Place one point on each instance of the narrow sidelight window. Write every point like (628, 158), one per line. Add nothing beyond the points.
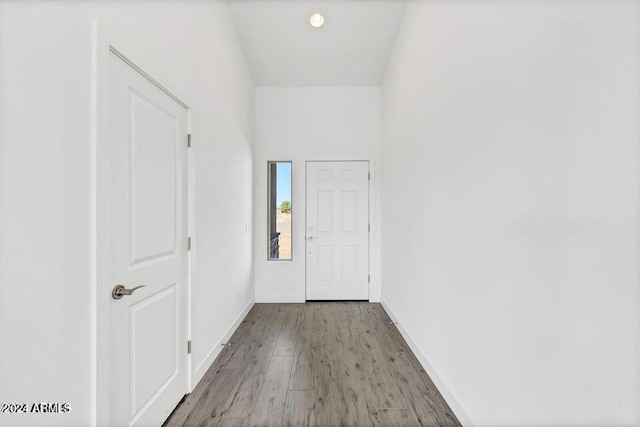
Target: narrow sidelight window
(280, 211)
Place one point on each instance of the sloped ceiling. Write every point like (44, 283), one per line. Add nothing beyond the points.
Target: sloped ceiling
(351, 49)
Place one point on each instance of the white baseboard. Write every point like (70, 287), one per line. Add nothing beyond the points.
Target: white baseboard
(206, 363)
(279, 299)
(448, 396)
(284, 299)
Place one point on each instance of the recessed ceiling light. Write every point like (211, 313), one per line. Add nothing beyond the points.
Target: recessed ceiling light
(316, 20)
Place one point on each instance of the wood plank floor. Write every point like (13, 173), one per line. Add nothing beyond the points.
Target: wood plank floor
(315, 364)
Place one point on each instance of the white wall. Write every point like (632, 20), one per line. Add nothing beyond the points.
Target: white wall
(301, 124)
(45, 275)
(510, 211)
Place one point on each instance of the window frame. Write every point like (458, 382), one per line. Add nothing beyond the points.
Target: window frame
(269, 205)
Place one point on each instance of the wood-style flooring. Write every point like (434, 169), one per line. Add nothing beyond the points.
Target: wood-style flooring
(315, 364)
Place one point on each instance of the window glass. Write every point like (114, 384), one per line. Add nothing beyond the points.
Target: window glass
(280, 211)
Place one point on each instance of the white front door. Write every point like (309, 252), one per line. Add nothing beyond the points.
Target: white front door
(148, 247)
(337, 230)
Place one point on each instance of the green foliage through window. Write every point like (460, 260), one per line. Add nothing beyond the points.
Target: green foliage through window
(285, 206)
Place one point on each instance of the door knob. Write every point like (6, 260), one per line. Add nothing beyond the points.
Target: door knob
(311, 238)
(119, 291)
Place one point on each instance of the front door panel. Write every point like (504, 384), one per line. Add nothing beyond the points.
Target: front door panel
(337, 230)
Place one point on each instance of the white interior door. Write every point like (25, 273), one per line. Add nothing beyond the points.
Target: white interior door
(148, 244)
(337, 230)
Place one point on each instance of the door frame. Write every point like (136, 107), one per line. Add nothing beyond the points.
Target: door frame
(101, 51)
(370, 182)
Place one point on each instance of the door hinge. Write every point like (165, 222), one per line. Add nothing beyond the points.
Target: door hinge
(369, 176)
(369, 278)
(189, 140)
(189, 244)
(369, 227)
(189, 347)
